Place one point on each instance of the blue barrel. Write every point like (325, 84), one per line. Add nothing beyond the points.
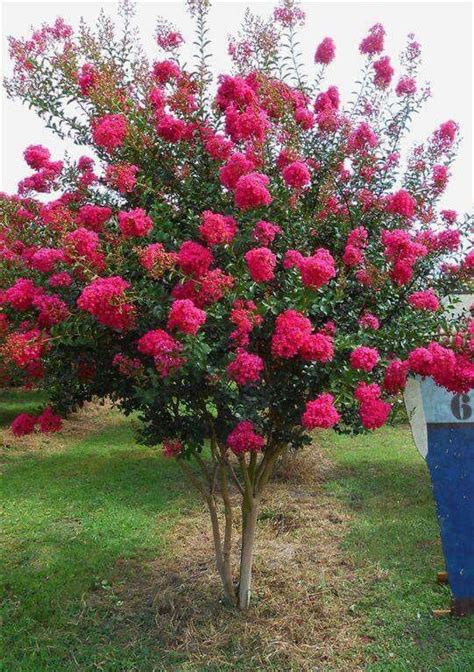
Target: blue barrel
(449, 422)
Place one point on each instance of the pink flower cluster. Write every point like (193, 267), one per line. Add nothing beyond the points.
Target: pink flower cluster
(369, 321)
(122, 176)
(425, 300)
(373, 411)
(383, 72)
(47, 422)
(244, 439)
(403, 251)
(164, 349)
(156, 259)
(217, 229)
(251, 191)
(320, 413)
(134, 223)
(194, 259)
(293, 336)
(318, 269)
(325, 51)
(22, 294)
(395, 376)
(364, 358)
(296, 175)
(245, 368)
(110, 131)
(261, 263)
(93, 217)
(265, 232)
(401, 203)
(356, 242)
(245, 318)
(104, 298)
(185, 317)
(454, 371)
(373, 43)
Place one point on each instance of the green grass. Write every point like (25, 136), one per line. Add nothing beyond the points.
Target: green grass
(386, 486)
(69, 517)
(79, 519)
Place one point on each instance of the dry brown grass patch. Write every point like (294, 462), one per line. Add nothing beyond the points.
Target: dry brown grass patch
(304, 586)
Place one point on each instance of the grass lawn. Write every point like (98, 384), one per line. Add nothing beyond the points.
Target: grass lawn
(95, 530)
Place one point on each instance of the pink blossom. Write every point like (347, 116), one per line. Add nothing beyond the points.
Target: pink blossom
(218, 147)
(110, 131)
(36, 156)
(243, 439)
(318, 269)
(364, 358)
(401, 203)
(21, 295)
(23, 424)
(425, 300)
(325, 51)
(170, 128)
(245, 368)
(194, 259)
(134, 223)
(122, 176)
(420, 361)
(406, 86)
(361, 138)
(237, 165)
(46, 258)
(93, 216)
(217, 229)
(320, 413)
(87, 78)
(261, 263)
(265, 232)
(62, 279)
(156, 259)
(373, 43)
(104, 298)
(352, 256)
(251, 191)
(383, 72)
(165, 71)
(185, 317)
(374, 413)
(296, 175)
(49, 422)
(369, 321)
(305, 118)
(395, 376)
(317, 348)
(291, 333)
(367, 391)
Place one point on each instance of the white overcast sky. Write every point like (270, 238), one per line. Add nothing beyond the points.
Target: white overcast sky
(443, 28)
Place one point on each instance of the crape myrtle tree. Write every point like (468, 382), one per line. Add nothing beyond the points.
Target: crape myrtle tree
(239, 260)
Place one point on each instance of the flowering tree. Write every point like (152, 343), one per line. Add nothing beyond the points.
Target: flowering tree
(238, 267)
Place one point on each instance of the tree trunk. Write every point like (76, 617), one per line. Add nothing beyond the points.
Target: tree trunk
(222, 561)
(249, 524)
